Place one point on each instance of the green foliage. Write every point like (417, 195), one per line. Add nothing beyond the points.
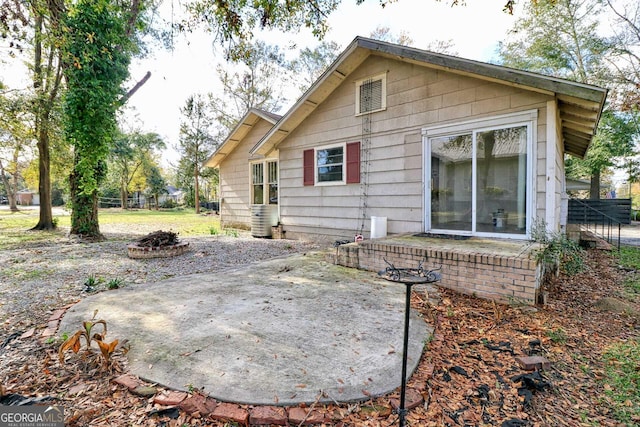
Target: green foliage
(234, 22)
(98, 46)
(558, 250)
(231, 232)
(133, 165)
(97, 57)
(156, 184)
(563, 39)
(311, 63)
(196, 142)
(622, 381)
(91, 282)
(57, 196)
(257, 80)
(632, 285)
(615, 140)
(629, 257)
(558, 38)
(557, 336)
(115, 283)
(168, 204)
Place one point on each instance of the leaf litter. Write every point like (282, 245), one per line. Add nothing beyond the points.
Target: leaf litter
(468, 374)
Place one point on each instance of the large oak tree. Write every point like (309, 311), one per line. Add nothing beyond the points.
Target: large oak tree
(562, 38)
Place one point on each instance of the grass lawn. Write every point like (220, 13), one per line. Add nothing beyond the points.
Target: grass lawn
(182, 221)
(14, 226)
(622, 360)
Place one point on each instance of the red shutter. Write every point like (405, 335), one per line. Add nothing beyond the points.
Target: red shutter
(308, 167)
(353, 163)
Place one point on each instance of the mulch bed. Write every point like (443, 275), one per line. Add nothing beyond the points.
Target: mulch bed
(469, 375)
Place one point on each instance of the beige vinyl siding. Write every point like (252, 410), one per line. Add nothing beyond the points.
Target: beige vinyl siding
(235, 175)
(416, 97)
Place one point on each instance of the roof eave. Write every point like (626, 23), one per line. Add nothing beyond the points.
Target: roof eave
(239, 132)
(591, 98)
(317, 92)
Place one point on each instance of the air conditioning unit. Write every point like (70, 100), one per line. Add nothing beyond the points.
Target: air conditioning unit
(263, 217)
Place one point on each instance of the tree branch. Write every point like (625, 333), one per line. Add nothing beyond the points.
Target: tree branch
(134, 89)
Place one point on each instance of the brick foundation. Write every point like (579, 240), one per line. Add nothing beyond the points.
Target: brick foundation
(507, 277)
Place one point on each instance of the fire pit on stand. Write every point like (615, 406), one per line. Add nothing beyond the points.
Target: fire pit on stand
(410, 277)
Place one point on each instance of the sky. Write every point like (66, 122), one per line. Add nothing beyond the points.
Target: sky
(189, 67)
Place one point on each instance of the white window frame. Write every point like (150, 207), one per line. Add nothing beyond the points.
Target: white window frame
(383, 100)
(527, 118)
(343, 181)
(268, 182)
(265, 180)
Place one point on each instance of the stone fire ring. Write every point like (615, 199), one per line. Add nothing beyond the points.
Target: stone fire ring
(142, 252)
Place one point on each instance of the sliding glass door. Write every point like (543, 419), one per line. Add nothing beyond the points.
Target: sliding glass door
(478, 179)
(451, 183)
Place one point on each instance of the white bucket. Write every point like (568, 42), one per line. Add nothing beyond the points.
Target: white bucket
(378, 226)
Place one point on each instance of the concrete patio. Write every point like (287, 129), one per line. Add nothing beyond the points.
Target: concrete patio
(281, 332)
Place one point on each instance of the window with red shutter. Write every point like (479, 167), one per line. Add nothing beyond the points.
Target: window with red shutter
(337, 164)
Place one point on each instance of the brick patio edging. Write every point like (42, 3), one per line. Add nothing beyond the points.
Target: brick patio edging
(199, 405)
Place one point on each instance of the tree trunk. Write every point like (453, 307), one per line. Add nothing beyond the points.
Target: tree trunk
(46, 86)
(197, 188)
(45, 221)
(84, 212)
(594, 189)
(123, 197)
(14, 180)
(124, 187)
(11, 194)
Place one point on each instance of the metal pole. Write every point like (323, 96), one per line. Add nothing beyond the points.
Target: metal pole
(402, 412)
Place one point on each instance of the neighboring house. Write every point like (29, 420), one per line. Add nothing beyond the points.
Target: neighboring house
(172, 194)
(27, 198)
(433, 143)
(436, 145)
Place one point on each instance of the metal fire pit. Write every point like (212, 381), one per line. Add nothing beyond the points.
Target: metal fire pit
(409, 277)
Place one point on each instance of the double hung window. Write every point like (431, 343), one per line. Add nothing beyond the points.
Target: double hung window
(332, 165)
(264, 183)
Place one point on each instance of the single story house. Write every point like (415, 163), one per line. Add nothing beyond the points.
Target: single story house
(27, 197)
(433, 143)
(172, 195)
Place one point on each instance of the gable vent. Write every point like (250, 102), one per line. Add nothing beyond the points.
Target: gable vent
(371, 96)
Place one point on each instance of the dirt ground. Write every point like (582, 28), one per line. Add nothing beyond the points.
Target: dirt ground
(469, 374)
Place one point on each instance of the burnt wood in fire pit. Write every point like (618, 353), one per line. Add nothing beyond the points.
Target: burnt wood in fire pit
(159, 244)
(159, 238)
